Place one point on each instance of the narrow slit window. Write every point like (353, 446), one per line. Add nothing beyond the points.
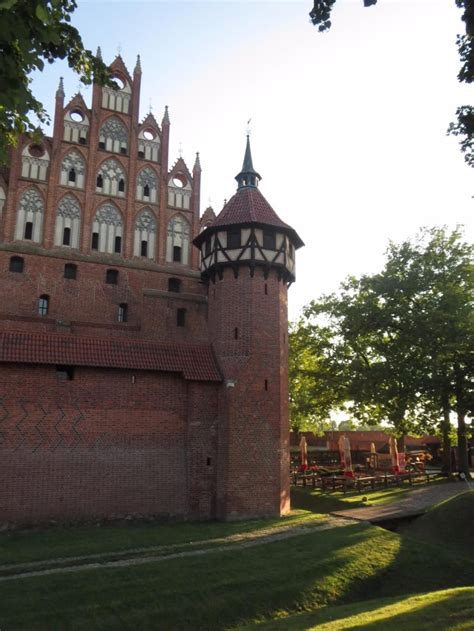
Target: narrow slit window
(146, 191)
(100, 181)
(118, 245)
(266, 384)
(177, 254)
(266, 289)
(236, 333)
(121, 186)
(181, 317)
(72, 175)
(95, 241)
(144, 248)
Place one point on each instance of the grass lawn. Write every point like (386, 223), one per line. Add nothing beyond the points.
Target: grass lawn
(451, 609)
(224, 589)
(357, 576)
(315, 500)
(62, 542)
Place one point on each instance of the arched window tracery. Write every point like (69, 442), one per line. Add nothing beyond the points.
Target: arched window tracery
(113, 136)
(107, 229)
(111, 179)
(147, 186)
(177, 240)
(73, 169)
(68, 222)
(29, 219)
(145, 234)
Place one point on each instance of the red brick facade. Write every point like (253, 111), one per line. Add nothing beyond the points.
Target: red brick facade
(129, 383)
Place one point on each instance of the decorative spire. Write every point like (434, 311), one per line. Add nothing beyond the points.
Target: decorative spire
(138, 67)
(166, 118)
(99, 53)
(60, 90)
(197, 163)
(248, 176)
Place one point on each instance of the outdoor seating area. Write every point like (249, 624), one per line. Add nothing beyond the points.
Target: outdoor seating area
(344, 477)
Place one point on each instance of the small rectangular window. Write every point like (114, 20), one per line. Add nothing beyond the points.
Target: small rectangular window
(29, 230)
(141, 154)
(176, 254)
(82, 140)
(181, 317)
(70, 271)
(101, 144)
(65, 373)
(174, 284)
(16, 264)
(144, 248)
(123, 150)
(269, 240)
(118, 245)
(123, 312)
(111, 277)
(43, 305)
(233, 238)
(95, 241)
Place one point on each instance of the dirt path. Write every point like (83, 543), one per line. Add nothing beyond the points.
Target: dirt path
(156, 554)
(416, 502)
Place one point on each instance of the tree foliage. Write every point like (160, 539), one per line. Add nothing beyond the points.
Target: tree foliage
(33, 32)
(395, 346)
(320, 16)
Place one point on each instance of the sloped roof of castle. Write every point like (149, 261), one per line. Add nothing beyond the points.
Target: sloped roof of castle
(195, 362)
(249, 206)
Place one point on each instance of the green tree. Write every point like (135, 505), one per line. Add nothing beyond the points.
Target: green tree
(320, 16)
(401, 341)
(33, 32)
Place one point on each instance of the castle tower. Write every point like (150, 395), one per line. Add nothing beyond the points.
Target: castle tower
(248, 261)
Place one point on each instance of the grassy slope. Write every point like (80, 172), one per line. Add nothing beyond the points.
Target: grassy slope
(450, 524)
(445, 610)
(224, 589)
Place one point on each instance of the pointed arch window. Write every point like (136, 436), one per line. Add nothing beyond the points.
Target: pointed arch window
(147, 185)
(35, 162)
(145, 234)
(107, 229)
(68, 222)
(113, 136)
(111, 178)
(73, 169)
(29, 219)
(177, 241)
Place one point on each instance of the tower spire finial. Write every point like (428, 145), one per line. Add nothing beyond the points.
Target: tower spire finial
(60, 90)
(99, 53)
(166, 118)
(138, 66)
(248, 176)
(197, 163)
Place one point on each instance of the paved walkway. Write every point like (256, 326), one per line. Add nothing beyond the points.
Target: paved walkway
(156, 554)
(416, 502)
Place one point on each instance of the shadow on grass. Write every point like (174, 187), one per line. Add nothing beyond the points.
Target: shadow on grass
(224, 589)
(442, 610)
(317, 502)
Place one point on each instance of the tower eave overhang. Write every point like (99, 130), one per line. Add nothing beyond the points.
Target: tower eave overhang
(288, 230)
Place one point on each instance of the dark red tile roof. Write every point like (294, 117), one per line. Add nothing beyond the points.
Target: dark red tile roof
(249, 206)
(195, 362)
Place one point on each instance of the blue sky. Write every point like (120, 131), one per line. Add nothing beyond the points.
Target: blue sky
(348, 127)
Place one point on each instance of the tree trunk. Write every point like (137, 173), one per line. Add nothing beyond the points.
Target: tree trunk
(463, 458)
(446, 428)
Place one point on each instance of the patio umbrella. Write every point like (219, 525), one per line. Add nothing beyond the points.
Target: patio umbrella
(345, 453)
(392, 443)
(373, 456)
(303, 453)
